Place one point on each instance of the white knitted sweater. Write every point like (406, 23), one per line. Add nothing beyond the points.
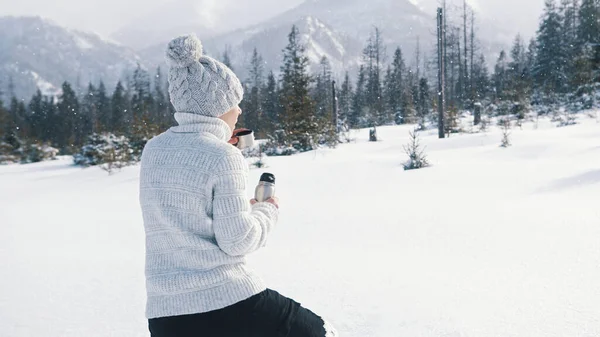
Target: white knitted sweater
(198, 220)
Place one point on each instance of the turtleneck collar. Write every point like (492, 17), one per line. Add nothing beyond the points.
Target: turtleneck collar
(194, 123)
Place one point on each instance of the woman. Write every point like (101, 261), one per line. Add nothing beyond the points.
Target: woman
(199, 225)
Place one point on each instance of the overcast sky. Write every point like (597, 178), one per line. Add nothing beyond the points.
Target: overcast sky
(107, 16)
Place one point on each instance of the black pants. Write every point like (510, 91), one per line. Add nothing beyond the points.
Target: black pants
(267, 314)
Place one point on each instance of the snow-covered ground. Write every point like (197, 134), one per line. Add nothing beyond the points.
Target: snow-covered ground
(486, 242)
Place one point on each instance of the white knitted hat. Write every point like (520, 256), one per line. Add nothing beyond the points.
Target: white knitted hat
(199, 84)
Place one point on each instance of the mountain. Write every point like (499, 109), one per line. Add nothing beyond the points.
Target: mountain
(337, 29)
(36, 52)
(319, 39)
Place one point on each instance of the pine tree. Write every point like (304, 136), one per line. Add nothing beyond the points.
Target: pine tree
(299, 120)
(571, 49)
(374, 101)
(49, 128)
(163, 117)
(481, 81)
(142, 105)
(517, 89)
(4, 122)
(588, 39)
(322, 90)
(68, 121)
(37, 117)
(253, 100)
(424, 102)
(357, 117)
(501, 78)
(271, 106)
(396, 99)
(120, 114)
(345, 101)
(588, 31)
(88, 116)
(103, 109)
(549, 72)
(410, 94)
(19, 118)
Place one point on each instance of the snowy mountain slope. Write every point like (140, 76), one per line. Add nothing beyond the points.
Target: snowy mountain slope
(487, 242)
(333, 28)
(38, 52)
(318, 38)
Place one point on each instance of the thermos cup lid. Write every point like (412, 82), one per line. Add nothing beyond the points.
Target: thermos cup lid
(268, 177)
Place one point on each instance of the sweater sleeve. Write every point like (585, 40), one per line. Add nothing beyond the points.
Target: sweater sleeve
(239, 228)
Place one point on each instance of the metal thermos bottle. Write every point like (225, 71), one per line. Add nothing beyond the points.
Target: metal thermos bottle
(265, 188)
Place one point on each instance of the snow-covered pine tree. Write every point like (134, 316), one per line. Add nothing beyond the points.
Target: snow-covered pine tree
(67, 119)
(298, 117)
(517, 90)
(271, 108)
(88, 117)
(588, 29)
(163, 116)
(373, 55)
(345, 101)
(424, 103)
(18, 113)
(253, 97)
(481, 81)
(571, 49)
(37, 117)
(395, 85)
(322, 89)
(416, 153)
(103, 109)
(323, 98)
(120, 119)
(550, 77)
(500, 79)
(142, 103)
(5, 121)
(49, 108)
(357, 116)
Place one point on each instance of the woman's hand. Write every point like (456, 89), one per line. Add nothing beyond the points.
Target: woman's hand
(234, 138)
(274, 201)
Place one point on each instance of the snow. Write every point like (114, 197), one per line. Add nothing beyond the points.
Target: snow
(487, 242)
(45, 87)
(81, 42)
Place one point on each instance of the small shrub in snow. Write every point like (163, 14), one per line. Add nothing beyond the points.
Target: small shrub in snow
(37, 152)
(7, 154)
(108, 151)
(260, 162)
(11, 148)
(416, 155)
(14, 150)
(566, 118)
(505, 125)
(373, 134)
(484, 123)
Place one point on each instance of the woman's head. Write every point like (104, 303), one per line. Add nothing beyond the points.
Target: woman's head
(199, 84)
(231, 117)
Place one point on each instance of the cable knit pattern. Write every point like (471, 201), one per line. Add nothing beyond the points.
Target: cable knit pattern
(198, 83)
(198, 221)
